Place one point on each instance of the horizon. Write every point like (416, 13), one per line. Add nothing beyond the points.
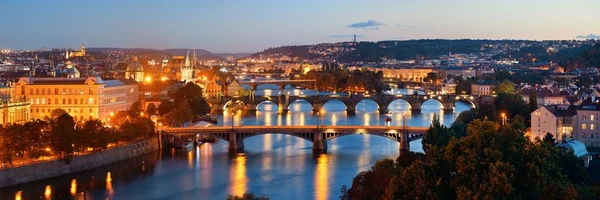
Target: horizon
(249, 27)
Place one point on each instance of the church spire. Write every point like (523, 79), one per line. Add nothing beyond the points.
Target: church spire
(194, 61)
(67, 55)
(187, 60)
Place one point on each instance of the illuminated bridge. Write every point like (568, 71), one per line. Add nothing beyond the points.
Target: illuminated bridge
(281, 83)
(219, 104)
(317, 135)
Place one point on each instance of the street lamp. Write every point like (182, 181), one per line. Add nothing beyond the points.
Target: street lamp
(318, 118)
(503, 119)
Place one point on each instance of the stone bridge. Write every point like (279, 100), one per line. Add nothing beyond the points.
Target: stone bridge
(317, 135)
(317, 102)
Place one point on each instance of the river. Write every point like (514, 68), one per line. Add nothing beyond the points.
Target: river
(274, 165)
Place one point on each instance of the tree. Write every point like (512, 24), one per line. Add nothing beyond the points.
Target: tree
(136, 109)
(37, 138)
(533, 101)
(506, 87)
(179, 116)
(54, 114)
(549, 139)
(63, 135)
(490, 162)
(437, 135)
(372, 184)
(151, 109)
(165, 107)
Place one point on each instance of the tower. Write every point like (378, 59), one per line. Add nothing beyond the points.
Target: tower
(187, 70)
(82, 49)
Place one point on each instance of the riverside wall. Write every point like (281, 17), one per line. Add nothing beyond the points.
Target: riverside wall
(44, 170)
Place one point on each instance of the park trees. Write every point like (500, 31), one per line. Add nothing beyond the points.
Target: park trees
(490, 162)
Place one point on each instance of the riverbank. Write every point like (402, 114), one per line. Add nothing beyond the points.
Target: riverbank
(44, 170)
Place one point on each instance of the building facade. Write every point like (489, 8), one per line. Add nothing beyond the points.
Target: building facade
(482, 88)
(234, 89)
(586, 122)
(135, 70)
(214, 88)
(406, 74)
(14, 112)
(556, 120)
(187, 70)
(83, 98)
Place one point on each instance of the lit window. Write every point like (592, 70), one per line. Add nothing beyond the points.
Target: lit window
(591, 127)
(591, 117)
(583, 126)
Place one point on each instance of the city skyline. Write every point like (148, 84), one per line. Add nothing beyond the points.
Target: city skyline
(236, 27)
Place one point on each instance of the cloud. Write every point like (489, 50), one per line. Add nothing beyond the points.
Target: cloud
(404, 26)
(346, 36)
(590, 36)
(368, 25)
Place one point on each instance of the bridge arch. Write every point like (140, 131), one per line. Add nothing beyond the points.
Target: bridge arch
(303, 135)
(365, 103)
(467, 101)
(232, 102)
(330, 105)
(399, 104)
(300, 105)
(434, 99)
(267, 105)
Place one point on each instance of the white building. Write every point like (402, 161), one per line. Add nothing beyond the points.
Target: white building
(555, 119)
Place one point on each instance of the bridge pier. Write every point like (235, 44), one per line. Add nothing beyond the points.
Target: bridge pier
(415, 110)
(450, 109)
(235, 145)
(382, 110)
(319, 144)
(404, 144)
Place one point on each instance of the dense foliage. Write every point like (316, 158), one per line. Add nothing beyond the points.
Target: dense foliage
(589, 58)
(62, 136)
(490, 162)
(186, 105)
(345, 80)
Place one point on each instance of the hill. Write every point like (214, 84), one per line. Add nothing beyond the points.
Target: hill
(200, 53)
(588, 58)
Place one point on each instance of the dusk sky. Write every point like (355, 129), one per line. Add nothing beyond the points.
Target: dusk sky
(252, 25)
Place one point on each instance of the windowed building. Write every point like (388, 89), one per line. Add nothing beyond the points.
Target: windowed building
(586, 122)
(555, 119)
(83, 98)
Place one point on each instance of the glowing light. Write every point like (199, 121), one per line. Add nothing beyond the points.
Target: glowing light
(18, 195)
(238, 173)
(190, 158)
(48, 192)
(321, 177)
(148, 79)
(73, 187)
(109, 187)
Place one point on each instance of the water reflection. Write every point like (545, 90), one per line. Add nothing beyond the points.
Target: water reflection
(109, 187)
(18, 195)
(73, 187)
(322, 178)
(238, 173)
(48, 192)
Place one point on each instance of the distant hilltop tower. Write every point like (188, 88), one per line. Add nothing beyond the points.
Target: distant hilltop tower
(354, 40)
(187, 70)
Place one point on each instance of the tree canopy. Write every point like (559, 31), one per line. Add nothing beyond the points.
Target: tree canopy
(490, 162)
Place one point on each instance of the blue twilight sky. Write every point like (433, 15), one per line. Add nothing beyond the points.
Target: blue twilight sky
(253, 25)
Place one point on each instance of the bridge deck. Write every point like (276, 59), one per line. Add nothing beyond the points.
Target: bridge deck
(279, 129)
